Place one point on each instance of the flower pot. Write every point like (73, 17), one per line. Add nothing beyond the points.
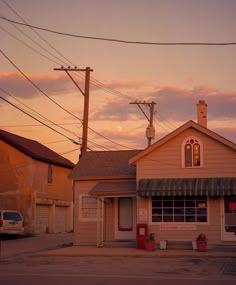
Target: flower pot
(150, 245)
(201, 245)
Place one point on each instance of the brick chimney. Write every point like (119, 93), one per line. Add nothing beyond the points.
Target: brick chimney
(202, 113)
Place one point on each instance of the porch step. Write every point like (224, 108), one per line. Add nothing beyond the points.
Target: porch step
(120, 243)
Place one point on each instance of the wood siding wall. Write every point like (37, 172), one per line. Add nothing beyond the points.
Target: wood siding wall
(85, 232)
(166, 161)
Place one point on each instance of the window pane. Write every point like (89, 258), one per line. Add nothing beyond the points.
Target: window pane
(167, 219)
(188, 155)
(190, 211)
(157, 211)
(167, 203)
(202, 211)
(89, 202)
(178, 203)
(168, 211)
(89, 208)
(179, 219)
(157, 219)
(157, 203)
(179, 211)
(190, 219)
(190, 203)
(196, 154)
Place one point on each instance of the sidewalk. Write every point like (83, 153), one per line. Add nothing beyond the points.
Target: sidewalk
(62, 245)
(133, 252)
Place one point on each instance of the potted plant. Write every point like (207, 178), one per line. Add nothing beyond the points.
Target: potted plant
(201, 242)
(149, 242)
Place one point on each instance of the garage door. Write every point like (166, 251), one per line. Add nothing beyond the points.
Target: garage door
(60, 219)
(41, 219)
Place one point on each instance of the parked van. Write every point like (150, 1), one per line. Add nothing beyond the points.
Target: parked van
(11, 222)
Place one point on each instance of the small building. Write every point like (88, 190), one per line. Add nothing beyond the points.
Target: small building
(34, 180)
(180, 186)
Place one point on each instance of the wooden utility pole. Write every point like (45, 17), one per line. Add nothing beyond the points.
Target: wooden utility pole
(150, 131)
(85, 93)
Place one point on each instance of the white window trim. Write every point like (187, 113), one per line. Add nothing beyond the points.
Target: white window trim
(183, 152)
(81, 218)
(178, 223)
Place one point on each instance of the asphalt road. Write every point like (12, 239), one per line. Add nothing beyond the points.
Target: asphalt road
(19, 266)
(25, 269)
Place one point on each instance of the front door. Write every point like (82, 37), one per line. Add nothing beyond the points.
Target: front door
(229, 218)
(125, 221)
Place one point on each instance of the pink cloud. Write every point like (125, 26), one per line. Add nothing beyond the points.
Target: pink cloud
(17, 85)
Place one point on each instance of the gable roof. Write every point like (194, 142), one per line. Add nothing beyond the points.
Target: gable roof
(189, 124)
(104, 165)
(34, 149)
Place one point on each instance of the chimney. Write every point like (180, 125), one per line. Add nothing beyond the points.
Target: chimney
(202, 113)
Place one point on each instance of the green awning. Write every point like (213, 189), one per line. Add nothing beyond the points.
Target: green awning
(218, 186)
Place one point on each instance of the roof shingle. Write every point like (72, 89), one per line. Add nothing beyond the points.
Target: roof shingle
(102, 164)
(34, 149)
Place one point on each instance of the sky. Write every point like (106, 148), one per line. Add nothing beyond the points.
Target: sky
(40, 103)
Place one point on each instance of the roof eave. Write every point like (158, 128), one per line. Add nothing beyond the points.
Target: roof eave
(118, 177)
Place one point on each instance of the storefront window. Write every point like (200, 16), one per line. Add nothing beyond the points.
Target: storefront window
(174, 209)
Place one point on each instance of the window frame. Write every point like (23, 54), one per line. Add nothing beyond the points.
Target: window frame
(50, 174)
(197, 140)
(185, 198)
(81, 215)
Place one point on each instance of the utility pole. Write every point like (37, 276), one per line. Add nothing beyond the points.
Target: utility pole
(85, 93)
(150, 131)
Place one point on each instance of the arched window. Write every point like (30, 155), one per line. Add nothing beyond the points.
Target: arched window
(192, 153)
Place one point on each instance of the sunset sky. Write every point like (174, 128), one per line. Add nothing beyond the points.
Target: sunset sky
(175, 77)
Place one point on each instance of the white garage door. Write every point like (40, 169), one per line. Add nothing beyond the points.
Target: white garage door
(41, 219)
(60, 219)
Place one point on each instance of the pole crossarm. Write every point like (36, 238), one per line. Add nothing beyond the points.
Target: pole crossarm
(150, 105)
(72, 79)
(150, 118)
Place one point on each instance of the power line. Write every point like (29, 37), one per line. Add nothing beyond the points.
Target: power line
(51, 98)
(38, 52)
(35, 31)
(122, 41)
(23, 126)
(37, 86)
(93, 80)
(39, 115)
(38, 120)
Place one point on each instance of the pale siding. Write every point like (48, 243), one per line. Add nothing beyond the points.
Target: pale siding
(85, 232)
(166, 161)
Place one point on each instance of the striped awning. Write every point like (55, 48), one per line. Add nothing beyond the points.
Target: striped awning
(219, 186)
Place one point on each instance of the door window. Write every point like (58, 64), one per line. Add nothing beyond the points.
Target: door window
(125, 214)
